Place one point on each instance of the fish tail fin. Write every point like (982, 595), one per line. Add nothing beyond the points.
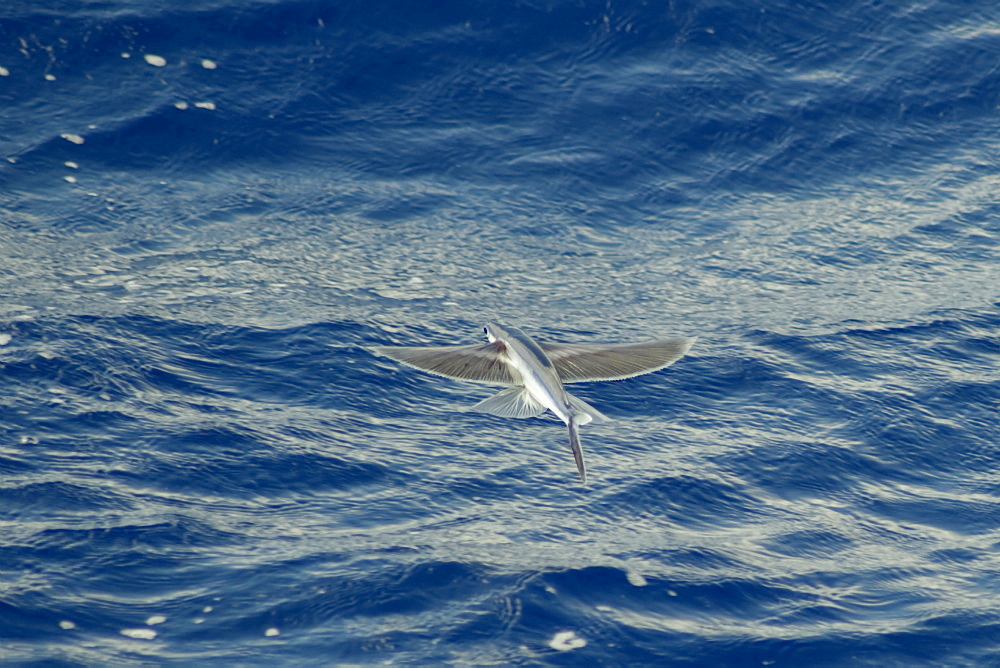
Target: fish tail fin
(574, 443)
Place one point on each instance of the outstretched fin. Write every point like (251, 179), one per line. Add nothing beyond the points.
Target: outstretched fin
(515, 402)
(477, 363)
(582, 362)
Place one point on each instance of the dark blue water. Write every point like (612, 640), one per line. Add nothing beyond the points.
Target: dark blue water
(209, 210)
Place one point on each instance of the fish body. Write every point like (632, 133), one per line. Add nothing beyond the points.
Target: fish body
(536, 373)
(541, 382)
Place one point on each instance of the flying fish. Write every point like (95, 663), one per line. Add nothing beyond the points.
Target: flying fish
(535, 373)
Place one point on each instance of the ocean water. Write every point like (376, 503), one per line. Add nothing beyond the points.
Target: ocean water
(209, 211)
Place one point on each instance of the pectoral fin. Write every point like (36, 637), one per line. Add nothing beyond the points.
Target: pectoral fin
(477, 364)
(580, 363)
(513, 402)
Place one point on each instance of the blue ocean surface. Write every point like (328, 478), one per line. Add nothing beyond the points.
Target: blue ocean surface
(210, 211)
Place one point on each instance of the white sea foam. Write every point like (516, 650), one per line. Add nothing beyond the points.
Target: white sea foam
(567, 640)
(139, 634)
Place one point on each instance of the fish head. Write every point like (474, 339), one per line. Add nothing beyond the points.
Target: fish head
(494, 331)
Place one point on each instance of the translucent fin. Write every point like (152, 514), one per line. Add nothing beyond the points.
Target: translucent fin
(574, 443)
(586, 412)
(579, 363)
(477, 363)
(513, 402)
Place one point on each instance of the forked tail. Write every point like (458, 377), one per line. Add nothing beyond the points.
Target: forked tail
(574, 442)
